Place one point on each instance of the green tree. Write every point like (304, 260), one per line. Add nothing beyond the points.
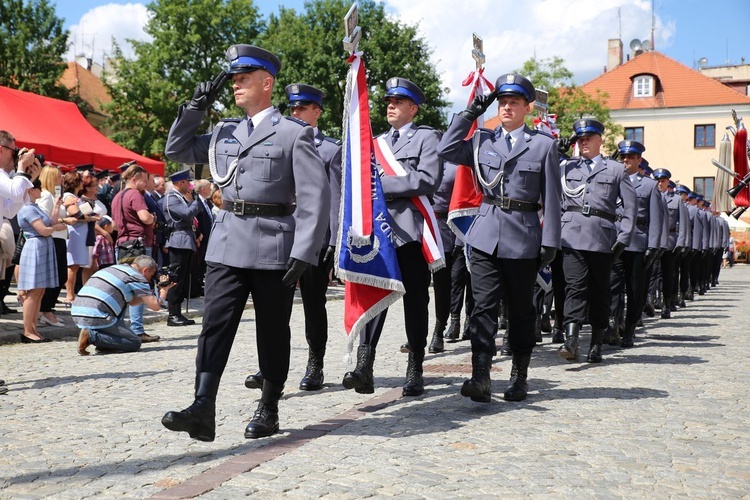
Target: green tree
(32, 47)
(569, 101)
(190, 39)
(310, 47)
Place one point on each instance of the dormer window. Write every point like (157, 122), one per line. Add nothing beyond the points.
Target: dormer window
(643, 86)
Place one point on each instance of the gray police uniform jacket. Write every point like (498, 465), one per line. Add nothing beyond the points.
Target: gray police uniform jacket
(685, 233)
(725, 232)
(603, 189)
(441, 204)
(650, 210)
(416, 151)
(180, 215)
(715, 231)
(528, 173)
(706, 235)
(329, 150)
(664, 241)
(697, 223)
(277, 164)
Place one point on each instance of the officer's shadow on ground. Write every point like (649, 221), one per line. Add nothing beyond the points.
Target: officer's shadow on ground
(22, 385)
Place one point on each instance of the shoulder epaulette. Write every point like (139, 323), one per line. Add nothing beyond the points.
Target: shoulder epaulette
(488, 130)
(545, 133)
(234, 120)
(297, 120)
(425, 127)
(331, 139)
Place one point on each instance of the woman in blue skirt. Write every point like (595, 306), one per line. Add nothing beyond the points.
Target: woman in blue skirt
(38, 267)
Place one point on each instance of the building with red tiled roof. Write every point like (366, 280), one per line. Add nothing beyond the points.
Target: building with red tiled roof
(90, 89)
(679, 114)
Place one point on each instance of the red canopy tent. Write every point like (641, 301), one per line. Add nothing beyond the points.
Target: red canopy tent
(58, 130)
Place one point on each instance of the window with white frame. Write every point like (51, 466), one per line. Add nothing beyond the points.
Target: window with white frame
(643, 86)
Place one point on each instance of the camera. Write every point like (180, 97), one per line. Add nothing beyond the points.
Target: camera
(165, 277)
(40, 158)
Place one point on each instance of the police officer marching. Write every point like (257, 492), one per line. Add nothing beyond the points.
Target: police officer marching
(593, 186)
(414, 148)
(261, 242)
(180, 208)
(518, 170)
(306, 104)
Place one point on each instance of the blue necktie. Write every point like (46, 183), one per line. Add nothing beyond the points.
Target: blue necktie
(510, 143)
(394, 137)
(250, 127)
(588, 164)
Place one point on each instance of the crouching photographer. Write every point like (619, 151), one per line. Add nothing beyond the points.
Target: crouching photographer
(99, 308)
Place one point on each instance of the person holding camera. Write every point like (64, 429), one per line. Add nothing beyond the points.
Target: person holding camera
(180, 208)
(99, 308)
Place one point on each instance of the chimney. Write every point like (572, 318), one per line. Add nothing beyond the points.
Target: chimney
(614, 53)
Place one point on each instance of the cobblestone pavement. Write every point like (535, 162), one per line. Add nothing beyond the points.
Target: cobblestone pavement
(668, 418)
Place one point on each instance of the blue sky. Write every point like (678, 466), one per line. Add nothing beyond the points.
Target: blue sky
(514, 31)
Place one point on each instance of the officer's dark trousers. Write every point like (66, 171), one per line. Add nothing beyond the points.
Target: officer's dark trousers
(441, 285)
(227, 290)
(415, 276)
(181, 263)
(636, 277)
(460, 284)
(313, 285)
(717, 265)
(667, 275)
(587, 277)
(695, 269)
(493, 280)
(558, 288)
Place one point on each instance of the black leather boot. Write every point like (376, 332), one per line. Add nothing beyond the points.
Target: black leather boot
(627, 336)
(569, 350)
(649, 307)
(266, 418)
(505, 347)
(538, 329)
(199, 419)
(436, 345)
(682, 298)
(454, 329)
(612, 333)
(254, 381)
(595, 349)
(658, 300)
(466, 335)
(546, 325)
(479, 387)
(558, 337)
(518, 387)
(361, 379)
(666, 311)
(414, 385)
(313, 379)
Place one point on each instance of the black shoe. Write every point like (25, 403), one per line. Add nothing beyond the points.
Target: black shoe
(479, 387)
(199, 419)
(569, 350)
(414, 385)
(405, 349)
(505, 347)
(612, 332)
(454, 328)
(639, 323)
(436, 344)
(649, 310)
(254, 381)
(538, 330)
(546, 325)
(666, 313)
(265, 421)
(595, 354)
(361, 378)
(27, 340)
(313, 379)
(558, 337)
(518, 388)
(682, 303)
(179, 320)
(627, 336)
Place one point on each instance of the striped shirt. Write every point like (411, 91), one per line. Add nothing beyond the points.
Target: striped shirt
(102, 300)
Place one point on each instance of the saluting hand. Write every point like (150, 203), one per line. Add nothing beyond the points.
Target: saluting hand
(478, 106)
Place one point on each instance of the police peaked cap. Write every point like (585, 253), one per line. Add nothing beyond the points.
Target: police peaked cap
(300, 94)
(182, 175)
(513, 84)
(246, 58)
(672, 184)
(644, 166)
(401, 87)
(662, 173)
(631, 147)
(587, 126)
(682, 189)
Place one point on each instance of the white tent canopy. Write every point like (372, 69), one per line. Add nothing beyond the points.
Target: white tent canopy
(735, 224)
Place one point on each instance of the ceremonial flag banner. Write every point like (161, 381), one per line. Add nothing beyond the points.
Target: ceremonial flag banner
(466, 196)
(366, 258)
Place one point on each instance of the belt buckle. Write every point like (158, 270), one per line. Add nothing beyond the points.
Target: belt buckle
(239, 207)
(586, 209)
(505, 203)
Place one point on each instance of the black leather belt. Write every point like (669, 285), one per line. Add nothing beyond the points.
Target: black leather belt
(510, 204)
(588, 211)
(641, 221)
(241, 207)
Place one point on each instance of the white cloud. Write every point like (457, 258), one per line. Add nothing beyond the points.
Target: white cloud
(513, 32)
(94, 32)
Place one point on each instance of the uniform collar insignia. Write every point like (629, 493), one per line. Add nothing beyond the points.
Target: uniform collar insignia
(488, 152)
(268, 143)
(274, 120)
